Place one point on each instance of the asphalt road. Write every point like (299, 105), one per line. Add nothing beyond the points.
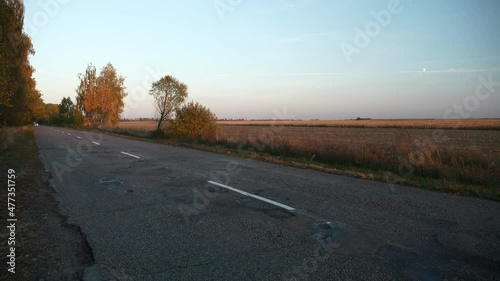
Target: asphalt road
(149, 213)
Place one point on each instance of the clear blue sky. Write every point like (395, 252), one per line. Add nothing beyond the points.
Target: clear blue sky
(277, 59)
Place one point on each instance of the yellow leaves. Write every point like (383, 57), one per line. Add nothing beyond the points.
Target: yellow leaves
(194, 122)
(101, 98)
(20, 102)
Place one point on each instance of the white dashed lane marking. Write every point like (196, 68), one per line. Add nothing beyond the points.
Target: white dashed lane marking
(253, 196)
(131, 155)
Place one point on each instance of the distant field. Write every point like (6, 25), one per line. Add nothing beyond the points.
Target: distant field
(470, 124)
(488, 141)
(492, 124)
(138, 125)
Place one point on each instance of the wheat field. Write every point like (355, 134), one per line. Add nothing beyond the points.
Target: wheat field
(470, 124)
(493, 124)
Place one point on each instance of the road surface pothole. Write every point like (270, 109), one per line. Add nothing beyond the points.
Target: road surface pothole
(172, 178)
(109, 181)
(347, 239)
(323, 231)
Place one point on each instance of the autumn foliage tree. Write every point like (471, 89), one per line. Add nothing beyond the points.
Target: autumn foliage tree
(100, 98)
(51, 113)
(169, 94)
(20, 102)
(192, 122)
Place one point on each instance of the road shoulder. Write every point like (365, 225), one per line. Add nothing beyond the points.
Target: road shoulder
(47, 247)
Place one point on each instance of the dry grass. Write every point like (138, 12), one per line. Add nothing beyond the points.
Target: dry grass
(9, 134)
(468, 124)
(470, 156)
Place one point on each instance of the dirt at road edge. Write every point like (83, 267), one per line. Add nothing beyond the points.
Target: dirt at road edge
(47, 247)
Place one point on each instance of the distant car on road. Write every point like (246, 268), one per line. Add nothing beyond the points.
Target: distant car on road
(35, 124)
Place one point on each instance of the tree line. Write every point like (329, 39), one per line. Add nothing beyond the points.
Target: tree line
(20, 101)
(99, 102)
(99, 96)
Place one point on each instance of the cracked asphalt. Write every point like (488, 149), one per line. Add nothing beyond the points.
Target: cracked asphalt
(155, 217)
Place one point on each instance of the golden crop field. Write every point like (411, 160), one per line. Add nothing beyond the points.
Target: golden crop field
(374, 133)
(138, 125)
(406, 123)
(471, 156)
(486, 124)
(358, 138)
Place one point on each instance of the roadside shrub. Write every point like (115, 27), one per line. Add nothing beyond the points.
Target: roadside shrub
(193, 122)
(157, 134)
